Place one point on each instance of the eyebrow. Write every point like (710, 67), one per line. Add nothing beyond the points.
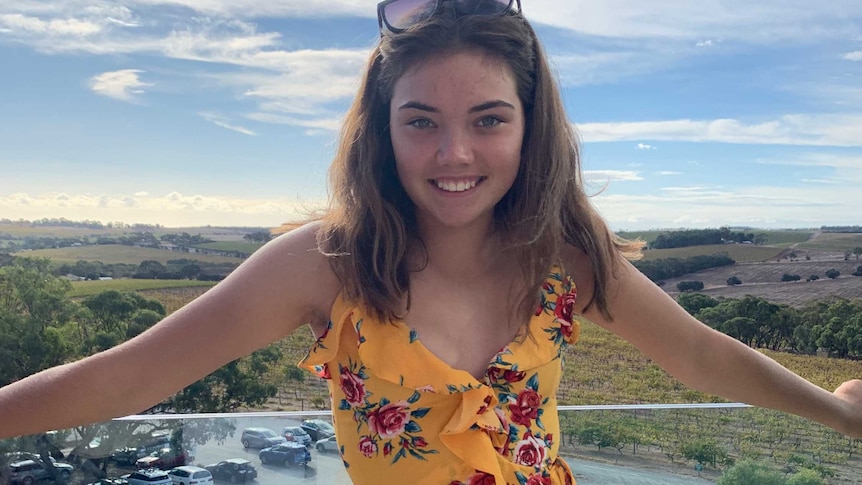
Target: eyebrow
(475, 109)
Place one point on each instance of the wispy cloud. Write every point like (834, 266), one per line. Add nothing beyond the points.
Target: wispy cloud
(611, 175)
(644, 146)
(29, 26)
(665, 173)
(795, 129)
(123, 85)
(223, 122)
(853, 56)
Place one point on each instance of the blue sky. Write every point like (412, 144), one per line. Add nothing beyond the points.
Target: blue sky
(225, 112)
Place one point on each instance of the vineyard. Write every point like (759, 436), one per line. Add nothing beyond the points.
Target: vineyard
(113, 254)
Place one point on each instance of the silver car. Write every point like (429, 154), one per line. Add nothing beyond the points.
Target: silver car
(327, 444)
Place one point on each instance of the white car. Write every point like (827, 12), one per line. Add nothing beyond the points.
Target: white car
(191, 475)
(327, 444)
(148, 477)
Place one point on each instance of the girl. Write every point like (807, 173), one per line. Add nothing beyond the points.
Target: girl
(444, 283)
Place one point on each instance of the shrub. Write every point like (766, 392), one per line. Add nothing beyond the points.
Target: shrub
(833, 273)
(750, 473)
(813, 277)
(858, 271)
(733, 281)
(689, 286)
(790, 277)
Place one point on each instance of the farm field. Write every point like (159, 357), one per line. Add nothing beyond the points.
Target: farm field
(739, 252)
(831, 241)
(764, 280)
(20, 230)
(239, 246)
(87, 288)
(114, 253)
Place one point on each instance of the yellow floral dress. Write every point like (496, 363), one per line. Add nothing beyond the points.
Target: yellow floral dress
(404, 416)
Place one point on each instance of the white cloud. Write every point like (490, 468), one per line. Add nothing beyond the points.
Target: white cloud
(123, 85)
(28, 25)
(611, 175)
(328, 124)
(173, 209)
(853, 56)
(668, 172)
(644, 146)
(796, 129)
(704, 43)
(223, 122)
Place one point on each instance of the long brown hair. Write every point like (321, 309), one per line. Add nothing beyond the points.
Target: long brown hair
(371, 222)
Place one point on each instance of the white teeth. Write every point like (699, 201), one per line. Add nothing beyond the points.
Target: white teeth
(460, 186)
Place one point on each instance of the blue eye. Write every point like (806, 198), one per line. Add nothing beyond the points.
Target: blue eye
(489, 121)
(421, 123)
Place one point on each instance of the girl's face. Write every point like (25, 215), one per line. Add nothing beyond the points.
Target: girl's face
(457, 125)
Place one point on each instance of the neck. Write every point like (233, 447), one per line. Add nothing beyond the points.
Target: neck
(463, 252)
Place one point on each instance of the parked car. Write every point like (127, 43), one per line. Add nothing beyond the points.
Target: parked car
(327, 444)
(285, 454)
(111, 481)
(148, 477)
(260, 438)
(165, 459)
(190, 475)
(234, 470)
(296, 433)
(28, 472)
(318, 429)
(130, 454)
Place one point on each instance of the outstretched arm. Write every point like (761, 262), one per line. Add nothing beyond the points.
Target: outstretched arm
(709, 361)
(283, 285)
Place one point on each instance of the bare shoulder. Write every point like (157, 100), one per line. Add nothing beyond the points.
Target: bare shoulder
(285, 284)
(291, 275)
(627, 290)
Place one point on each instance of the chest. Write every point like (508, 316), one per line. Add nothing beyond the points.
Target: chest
(464, 325)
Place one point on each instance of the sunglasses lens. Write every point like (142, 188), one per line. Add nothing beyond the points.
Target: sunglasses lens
(404, 13)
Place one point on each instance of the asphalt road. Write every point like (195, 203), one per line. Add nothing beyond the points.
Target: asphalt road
(327, 469)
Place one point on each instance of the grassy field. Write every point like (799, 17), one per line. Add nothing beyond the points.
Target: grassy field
(18, 230)
(87, 288)
(830, 241)
(239, 246)
(741, 253)
(773, 237)
(647, 236)
(113, 253)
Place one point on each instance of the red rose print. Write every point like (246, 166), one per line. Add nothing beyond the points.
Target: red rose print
(352, 387)
(538, 480)
(547, 287)
(530, 451)
(323, 371)
(493, 373)
(566, 306)
(387, 448)
(389, 421)
(539, 310)
(513, 376)
(367, 446)
(526, 407)
(419, 442)
(481, 478)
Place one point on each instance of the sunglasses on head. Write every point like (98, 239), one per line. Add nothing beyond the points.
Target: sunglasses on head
(398, 15)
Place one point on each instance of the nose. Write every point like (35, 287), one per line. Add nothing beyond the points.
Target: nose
(455, 147)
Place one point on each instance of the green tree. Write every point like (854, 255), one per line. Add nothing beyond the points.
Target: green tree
(857, 251)
(833, 273)
(685, 286)
(806, 476)
(36, 319)
(150, 269)
(733, 281)
(750, 473)
(705, 451)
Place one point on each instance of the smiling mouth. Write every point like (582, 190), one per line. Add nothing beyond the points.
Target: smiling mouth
(457, 185)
